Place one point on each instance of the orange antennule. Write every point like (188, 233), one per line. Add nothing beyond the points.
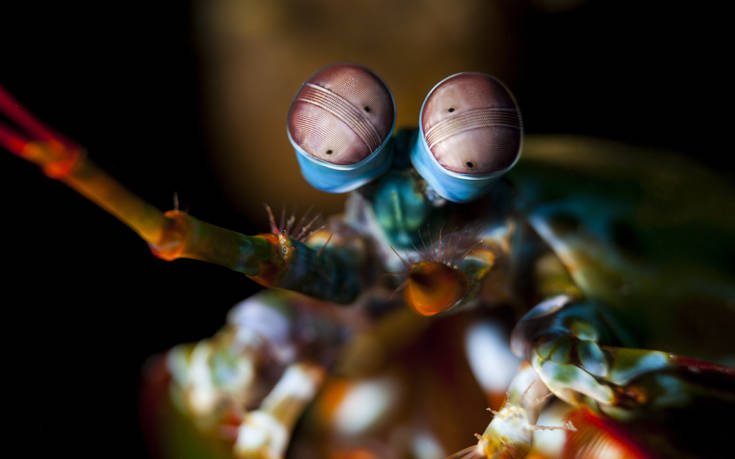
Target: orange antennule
(12, 141)
(54, 153)
(16, 112)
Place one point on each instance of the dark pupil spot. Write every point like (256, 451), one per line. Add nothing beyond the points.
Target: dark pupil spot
(367, 109)
(451, 109)
(329, 152)
(470, 164)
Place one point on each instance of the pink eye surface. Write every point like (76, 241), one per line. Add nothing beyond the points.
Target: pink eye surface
(472, 124)
(342, 114)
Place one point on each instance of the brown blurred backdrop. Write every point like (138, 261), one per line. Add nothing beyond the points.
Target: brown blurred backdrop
(257, 54)
(633, 72)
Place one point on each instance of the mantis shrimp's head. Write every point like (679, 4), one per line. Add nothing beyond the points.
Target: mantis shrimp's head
(469, 134)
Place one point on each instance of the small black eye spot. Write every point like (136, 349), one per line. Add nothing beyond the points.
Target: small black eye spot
(470, 164)
(451, 109)
(329, 152)
(367, 109)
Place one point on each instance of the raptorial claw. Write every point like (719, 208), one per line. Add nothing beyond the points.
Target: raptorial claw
(567, 344)
(510, 433)
(264, 433)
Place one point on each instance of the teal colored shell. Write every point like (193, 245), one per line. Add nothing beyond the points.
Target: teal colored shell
(647, 233)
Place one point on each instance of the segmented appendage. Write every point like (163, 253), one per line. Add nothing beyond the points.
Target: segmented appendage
(289, 229)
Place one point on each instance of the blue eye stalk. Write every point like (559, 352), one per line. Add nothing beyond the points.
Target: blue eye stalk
(450, 185)
(342, 120)
(342, 178)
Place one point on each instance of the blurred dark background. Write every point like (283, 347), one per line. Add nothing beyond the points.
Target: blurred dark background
(151, 89)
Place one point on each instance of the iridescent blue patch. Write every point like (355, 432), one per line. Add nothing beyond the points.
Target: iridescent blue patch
(341, 178)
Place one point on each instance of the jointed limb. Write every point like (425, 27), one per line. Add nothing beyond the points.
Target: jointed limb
(573, 356)
(577, 352)
(269, 260)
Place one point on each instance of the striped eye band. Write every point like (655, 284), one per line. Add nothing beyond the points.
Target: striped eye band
(472, 119)
(344, 111)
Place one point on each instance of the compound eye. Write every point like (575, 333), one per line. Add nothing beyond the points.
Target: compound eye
(342, 114)
(472, 125)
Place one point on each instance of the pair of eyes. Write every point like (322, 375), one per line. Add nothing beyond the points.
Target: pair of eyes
(344, 114)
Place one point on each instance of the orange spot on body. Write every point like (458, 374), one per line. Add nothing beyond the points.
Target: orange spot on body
(353, 454)
(536, 455)
(54, 158)
(62, 166)
(332, 398)
(173, 237)
(434, 287)
(270, 271)
(229, 425)
(12, 141)
(596, 436)
(496, 399)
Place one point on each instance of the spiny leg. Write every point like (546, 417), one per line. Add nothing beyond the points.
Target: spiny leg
(568, 343)
(579, 353)
(249, 384)
(268, 259)
(510, 433)
(561, 341)
(265, 432)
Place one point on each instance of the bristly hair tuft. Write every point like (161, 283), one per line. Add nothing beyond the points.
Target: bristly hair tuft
(448, 249)
(451, 248)
(297, 230)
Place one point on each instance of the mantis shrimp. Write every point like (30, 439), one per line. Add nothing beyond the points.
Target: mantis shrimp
(587, 257)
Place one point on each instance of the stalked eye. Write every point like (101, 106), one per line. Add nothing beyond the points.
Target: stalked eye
(480, 132)
(340, 121)
(470, 133)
